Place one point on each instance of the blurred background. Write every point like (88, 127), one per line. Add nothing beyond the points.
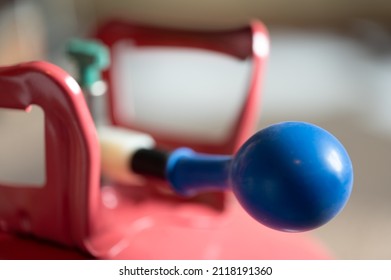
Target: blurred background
(330, 64)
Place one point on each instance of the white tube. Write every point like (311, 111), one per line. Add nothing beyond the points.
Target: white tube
(118, 146)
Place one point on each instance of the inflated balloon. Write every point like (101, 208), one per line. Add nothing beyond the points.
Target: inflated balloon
(291, 176)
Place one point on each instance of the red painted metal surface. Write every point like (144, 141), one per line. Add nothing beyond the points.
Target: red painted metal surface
(248, 42)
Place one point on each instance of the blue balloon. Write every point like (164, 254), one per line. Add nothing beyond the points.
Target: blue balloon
(292, 176)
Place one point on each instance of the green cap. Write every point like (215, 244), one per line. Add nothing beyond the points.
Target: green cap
(91, 57)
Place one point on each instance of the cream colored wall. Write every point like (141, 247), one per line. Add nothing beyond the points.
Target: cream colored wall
(23, 33)
(217, 14)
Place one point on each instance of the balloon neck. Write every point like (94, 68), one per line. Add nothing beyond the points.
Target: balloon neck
(191, 173)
